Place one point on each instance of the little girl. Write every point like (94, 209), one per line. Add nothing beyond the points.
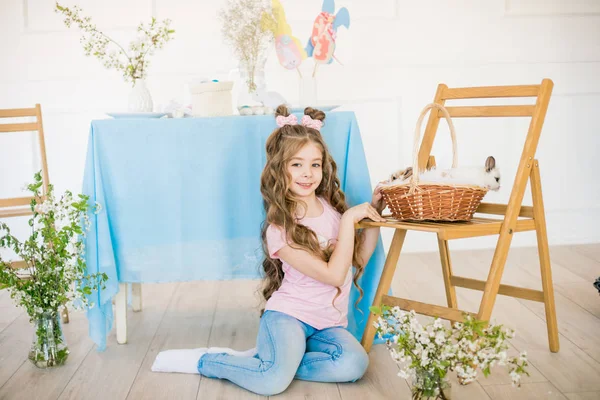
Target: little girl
(310, 244)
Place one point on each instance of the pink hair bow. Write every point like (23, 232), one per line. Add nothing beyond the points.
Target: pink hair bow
(289, 120)
(311, 123)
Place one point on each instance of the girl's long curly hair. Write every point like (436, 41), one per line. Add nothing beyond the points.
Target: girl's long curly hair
(281, 204)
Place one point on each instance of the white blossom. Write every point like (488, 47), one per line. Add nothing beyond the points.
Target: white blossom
(132, 63)
(53, 253)
(523, 356)
(403, 374)
(428, 349)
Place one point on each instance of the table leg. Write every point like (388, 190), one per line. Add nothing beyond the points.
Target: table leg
(136, 297)
(121, 313)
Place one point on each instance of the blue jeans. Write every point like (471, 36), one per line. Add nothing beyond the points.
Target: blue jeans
(287, 349)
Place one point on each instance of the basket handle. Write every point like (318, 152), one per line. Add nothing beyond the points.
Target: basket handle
(414, 180)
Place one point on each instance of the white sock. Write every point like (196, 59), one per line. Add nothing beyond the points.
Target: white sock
(247, 353)
(180, 360)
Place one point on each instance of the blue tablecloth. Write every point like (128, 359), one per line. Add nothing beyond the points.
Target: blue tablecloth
(181, 202)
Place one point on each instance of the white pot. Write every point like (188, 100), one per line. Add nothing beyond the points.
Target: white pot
(212, 99)
(140, 99)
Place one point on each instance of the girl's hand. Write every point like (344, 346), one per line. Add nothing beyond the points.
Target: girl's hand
(362, 211)
(377, 200)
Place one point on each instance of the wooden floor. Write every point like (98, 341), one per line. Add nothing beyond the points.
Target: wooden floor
(184, 315)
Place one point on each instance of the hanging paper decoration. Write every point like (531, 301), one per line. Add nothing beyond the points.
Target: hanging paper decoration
(321, 44)
(290, 52)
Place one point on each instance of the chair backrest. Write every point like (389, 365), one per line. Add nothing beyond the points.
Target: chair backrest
(26, 127)
(537, 112)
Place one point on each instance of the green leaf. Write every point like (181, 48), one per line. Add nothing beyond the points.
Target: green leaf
(486, 371)
(375, 310)
(34, 187)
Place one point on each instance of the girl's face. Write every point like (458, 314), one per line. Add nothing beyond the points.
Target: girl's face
(306, 170)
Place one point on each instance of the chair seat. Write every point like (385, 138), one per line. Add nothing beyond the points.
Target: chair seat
(478, 226)
(15, 212)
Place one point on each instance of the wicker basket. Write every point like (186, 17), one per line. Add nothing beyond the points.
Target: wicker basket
(420, 201)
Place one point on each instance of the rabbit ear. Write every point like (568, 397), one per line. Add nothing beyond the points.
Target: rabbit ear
(490, 164)
(408, 173)
(328, 6)
(342, 18)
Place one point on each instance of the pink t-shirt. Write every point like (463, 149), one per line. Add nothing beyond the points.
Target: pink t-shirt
(301, 296)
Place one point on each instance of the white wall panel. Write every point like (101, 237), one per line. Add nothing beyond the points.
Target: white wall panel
(394, 55)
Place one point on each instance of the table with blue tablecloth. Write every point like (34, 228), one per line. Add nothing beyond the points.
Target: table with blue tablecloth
(181, 201)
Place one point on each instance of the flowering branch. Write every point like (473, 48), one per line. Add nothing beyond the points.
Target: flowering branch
(54, 254)
(425, 354)
(246, 30)
(133, 63)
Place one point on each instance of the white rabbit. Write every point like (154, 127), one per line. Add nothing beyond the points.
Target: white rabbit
(268, 99)
(487, 176)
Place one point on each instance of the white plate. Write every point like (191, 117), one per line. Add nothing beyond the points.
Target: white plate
(136, 114)
(322, 108)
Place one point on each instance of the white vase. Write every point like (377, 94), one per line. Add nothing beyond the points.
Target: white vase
(307, 91)
(140, 99)
(251, 82)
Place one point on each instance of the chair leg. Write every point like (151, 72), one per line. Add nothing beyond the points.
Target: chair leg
(492, 284)
(121, 313)
(384, 285)
(544, 255)
(136, 297)
(447, 271)
(65, 314)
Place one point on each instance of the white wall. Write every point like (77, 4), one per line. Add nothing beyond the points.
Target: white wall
(394, 54)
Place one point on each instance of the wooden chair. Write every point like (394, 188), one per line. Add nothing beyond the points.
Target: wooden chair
(19, 206)
(517, 218)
